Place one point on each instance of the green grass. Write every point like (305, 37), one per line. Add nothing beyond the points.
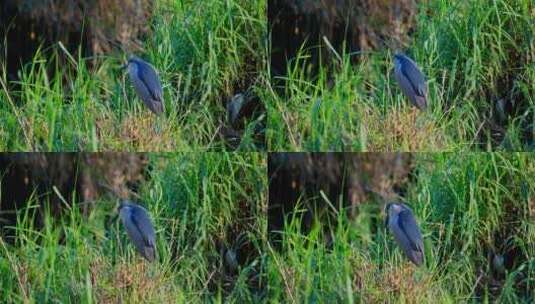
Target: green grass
(199, 202)
(472, 52)
(467, 207)
(205, 52)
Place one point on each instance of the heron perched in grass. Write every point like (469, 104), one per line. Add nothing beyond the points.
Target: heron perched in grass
(147, 84)
(411, 80)
(400, 220)
(139, 228)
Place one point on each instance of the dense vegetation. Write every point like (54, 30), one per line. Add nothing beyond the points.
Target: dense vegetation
(471, 208)
(205, 52)
(202, 206)
(479, 60)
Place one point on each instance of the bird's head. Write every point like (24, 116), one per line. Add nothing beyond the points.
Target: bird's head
(123, 205)
(398, 59)
(391, 209)
(131, 60)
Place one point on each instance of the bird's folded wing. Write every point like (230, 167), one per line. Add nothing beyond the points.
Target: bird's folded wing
(410, 228)
(415, 77)
(151, 80)
(144, 228)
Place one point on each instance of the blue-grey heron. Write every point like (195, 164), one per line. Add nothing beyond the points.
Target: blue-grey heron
(400, 220)
(146, 83)
(139, 228)
(411, 80)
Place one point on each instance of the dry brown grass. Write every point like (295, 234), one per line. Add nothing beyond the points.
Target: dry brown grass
(129, 282)
(140, 131)
(406, 128)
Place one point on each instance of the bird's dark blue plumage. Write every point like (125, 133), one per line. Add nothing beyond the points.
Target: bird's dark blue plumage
(148, 76)
(142, 223)
(409, 226)
(411, 80)
(147, 84)
(139, 228)
(406, 232)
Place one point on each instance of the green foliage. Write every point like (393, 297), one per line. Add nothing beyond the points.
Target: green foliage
(473, 53)
(468, 207)
(197, 201)
(204, 53)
